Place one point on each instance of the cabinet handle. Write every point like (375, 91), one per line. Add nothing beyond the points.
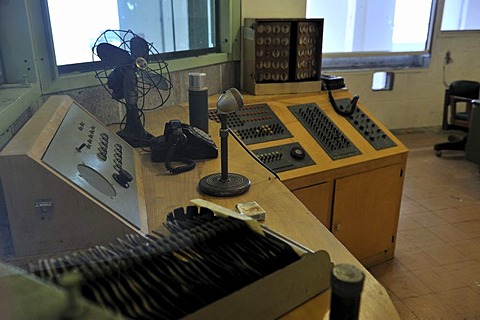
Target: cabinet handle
(338, 227)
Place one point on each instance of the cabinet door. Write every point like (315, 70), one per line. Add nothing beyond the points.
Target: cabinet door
(365, 213)
(317, 199)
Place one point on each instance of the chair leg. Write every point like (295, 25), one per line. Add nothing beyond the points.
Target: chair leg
(454, 145)
(446, 103)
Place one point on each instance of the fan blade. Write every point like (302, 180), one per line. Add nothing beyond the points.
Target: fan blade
(130, 91)
(115, 82)
(155, 80)
(112, 55)
(139, 47)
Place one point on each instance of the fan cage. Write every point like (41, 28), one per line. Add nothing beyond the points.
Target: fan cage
(156, 66)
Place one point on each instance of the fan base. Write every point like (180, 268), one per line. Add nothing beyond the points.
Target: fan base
(235, 185)
(139, 139)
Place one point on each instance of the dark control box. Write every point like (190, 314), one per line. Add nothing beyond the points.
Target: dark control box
(284, 157)
(370, 130)
(282, 55)
(255, 123)
(324, 131)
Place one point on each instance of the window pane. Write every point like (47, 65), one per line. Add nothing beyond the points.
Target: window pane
(373, 25)
(461, 15)
(171, 25)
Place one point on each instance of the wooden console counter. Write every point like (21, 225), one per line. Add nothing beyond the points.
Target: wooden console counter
(285, 213)
(358, 197)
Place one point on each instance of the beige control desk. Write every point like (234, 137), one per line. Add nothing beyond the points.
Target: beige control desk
(317, 186)
(285, 213)
(358, 197)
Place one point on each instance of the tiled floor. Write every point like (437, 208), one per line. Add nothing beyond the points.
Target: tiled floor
(436, 270)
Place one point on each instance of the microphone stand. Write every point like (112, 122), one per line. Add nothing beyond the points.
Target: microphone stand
(224, 184)
(224, 146)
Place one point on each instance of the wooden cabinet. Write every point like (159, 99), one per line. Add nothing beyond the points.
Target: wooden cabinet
(361, 210)
(317, 199)
(365, 214)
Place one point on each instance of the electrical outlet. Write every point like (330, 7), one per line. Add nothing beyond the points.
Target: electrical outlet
(448, 57)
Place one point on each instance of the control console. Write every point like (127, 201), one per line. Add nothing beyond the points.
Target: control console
(85, 152)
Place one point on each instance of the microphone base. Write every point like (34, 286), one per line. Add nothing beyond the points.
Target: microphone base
(235, 185)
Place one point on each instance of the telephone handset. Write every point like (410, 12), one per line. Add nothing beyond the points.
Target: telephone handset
(184, 143)
(344, 107)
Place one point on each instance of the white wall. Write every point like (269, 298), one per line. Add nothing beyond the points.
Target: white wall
(273, 9)
(417, 97)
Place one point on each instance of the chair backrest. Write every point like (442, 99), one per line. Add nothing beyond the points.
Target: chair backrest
(465, 88)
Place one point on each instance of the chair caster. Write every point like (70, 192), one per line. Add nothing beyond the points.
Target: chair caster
(438, 153)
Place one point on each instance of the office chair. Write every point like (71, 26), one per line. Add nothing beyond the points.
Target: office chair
(472, 151)
(460, 92)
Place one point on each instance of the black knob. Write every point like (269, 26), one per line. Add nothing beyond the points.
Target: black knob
(79, 148)
(123, 177)
(297, 153)
(102, 156)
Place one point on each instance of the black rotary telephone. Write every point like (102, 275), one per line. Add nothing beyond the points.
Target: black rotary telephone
(184, 143)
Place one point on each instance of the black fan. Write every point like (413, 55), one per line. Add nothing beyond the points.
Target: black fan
(129, 68)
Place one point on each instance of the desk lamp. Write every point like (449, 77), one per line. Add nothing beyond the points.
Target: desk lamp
(225, 184)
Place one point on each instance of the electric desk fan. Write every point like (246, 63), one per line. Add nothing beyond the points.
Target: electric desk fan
(130, 68)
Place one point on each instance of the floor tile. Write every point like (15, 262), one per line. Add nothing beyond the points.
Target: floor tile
(428, 219)
(404, 243)
(449, 233)
(439, 278)
(463, 300)
(469, 227)
(404, 284)
(411, 206)
(406, 222)
(389, 267)
(421, 237)
(454, 215)
(403, 311)
(468, 272)
(470, 247)
(414, 259)
(443, 253)
(440, 202)
(430, 307)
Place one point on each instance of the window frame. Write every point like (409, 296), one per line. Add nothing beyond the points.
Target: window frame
(53, 81)
(343, 61)
(90, 65)
(453, 31)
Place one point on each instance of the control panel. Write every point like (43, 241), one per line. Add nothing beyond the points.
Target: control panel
(370, 130)
(324, 131)
(85, 152)
(255, 123)
(283, 50)
(284, 157)
(273, 42)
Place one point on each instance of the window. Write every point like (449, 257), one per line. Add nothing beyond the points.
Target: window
(461, 15)
(180, 27)
(373, 28)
